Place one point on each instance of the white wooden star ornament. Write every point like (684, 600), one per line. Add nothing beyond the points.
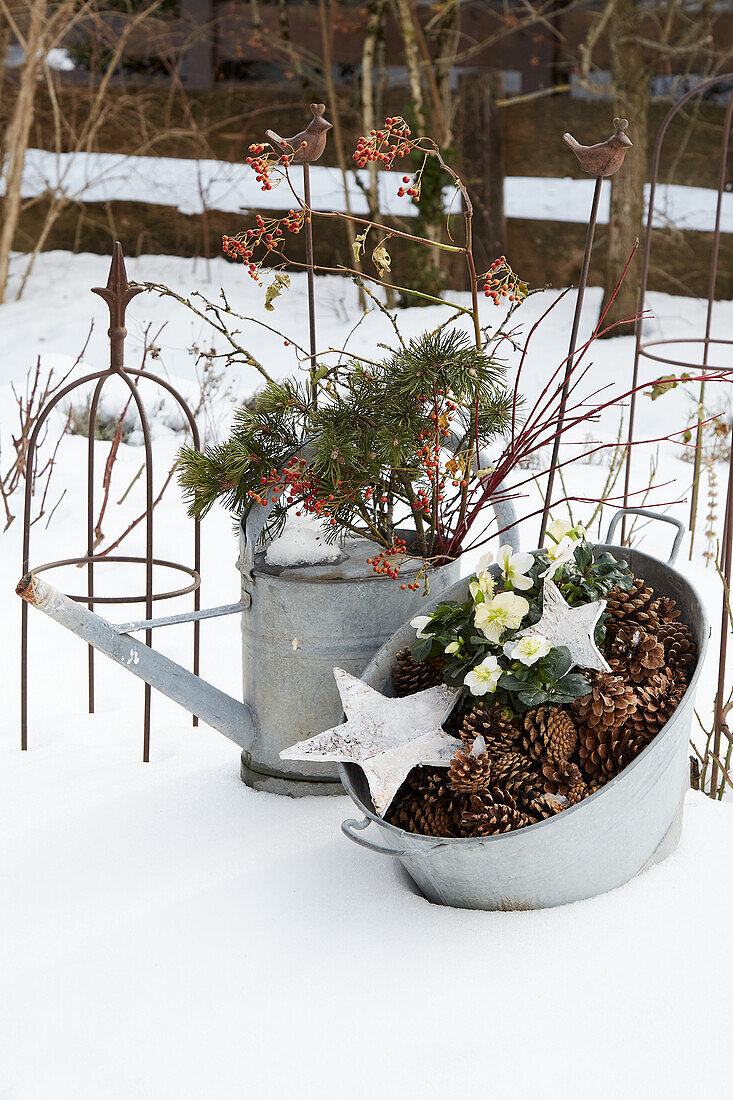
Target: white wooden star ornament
(573, 627)
(386, 737)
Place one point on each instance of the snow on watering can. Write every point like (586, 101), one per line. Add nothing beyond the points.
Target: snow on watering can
(297, 623)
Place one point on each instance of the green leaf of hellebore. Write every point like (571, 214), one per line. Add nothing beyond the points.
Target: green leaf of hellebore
(575, 685)
(420, 649)
(558, 662)
(531, 699)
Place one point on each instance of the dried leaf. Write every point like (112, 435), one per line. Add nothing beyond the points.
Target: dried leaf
(382, 260)
(663, 385)
(280, 282)
(359, 242)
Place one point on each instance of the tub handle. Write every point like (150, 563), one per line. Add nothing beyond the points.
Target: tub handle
(347, 828)
(681, 529)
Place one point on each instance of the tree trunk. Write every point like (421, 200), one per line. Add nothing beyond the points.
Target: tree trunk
(17, 135)
(482, 162)
(373, 35)
(631, 77)
(412, 61)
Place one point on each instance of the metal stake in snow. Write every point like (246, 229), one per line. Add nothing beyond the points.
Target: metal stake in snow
(602, 161)
(304, 148)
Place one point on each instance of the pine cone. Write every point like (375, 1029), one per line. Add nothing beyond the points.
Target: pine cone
(424, 804)
(597, 750)
(509, 766)
(550, 734)
(470, 772)
(577, 789)
(609, 703)
(412, 806)
(547, 805)
(665, 610)
(498, 731)
(657, 703)
(562, 778)
(482, 820)
(680, 650)
(630, 608)
(636, 655)
(629, 745)
(520, 791)
(410, 676)
(596, 783)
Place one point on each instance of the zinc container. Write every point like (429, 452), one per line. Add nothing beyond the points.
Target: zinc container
(301, 621)
(627, 826)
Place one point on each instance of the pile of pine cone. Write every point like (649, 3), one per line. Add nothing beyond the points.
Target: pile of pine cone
(515, 770)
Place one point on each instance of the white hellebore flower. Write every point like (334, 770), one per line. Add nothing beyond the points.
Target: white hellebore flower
(504, 612)
(419, 622)
(529, 649)
(483, 582)
(483, 677)
(514, 566)
(560, 528)
(559, 553)
(452, 647)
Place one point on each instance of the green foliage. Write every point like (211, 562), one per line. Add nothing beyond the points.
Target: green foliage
(549, 681)
(363, 441)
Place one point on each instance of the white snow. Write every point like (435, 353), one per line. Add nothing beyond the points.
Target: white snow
(57, 58)
(167, 932)
(301, 543)
(569, 200)
(192, 186)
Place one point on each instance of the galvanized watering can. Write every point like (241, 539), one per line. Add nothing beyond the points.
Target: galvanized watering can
(630, 824)
(297, 623)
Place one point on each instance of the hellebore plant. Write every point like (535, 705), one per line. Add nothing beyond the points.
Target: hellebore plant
(479, 640)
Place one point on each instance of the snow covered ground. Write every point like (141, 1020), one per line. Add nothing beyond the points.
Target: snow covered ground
(196, 185)
(167, 932)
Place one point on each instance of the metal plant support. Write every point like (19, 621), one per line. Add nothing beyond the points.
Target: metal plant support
(305, 148)
(601, 161)
(658, 351)
(117, 294)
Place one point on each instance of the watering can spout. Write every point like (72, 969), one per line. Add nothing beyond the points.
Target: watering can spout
(215, 707)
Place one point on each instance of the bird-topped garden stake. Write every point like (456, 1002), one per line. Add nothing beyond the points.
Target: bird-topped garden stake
(602, 161)
(308, 145)
(303, 149)
(606, 157)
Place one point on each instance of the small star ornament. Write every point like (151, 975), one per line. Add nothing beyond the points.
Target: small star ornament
(573, 627)
(386, 737)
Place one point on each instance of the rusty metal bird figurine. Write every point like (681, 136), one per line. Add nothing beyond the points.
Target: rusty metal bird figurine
(309, 144)
(605, 158)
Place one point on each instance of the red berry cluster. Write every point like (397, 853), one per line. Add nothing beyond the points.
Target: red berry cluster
(384, 567)
(385, 145)
(261, 163)
(501, 282)
(414, 190)
(267, 234)
(430, 452)
(297, 483)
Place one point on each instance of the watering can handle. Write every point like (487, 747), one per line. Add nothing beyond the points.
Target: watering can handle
(347, 828)
(253, 525)
(681, 529)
